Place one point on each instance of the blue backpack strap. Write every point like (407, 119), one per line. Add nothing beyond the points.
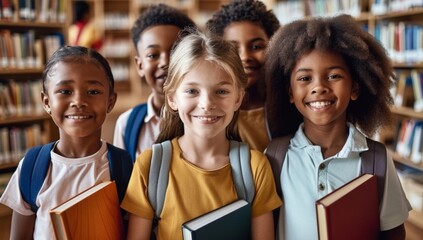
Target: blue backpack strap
(159, 175)
(33, 172)
(120, 166)
(373, 161)
(133, 128)
(239, 157)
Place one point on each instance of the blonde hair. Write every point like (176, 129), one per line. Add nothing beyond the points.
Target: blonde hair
(193, 48)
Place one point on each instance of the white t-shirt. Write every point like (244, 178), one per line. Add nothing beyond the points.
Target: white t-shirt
(306, 177)
(149, 131)
(65, 178)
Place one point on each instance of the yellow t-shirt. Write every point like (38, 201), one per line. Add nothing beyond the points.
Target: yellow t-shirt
(193, 191)
(252, 128)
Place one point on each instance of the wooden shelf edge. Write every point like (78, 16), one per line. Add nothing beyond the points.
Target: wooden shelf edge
(407, 112)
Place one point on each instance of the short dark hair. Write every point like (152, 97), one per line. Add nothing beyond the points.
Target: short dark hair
(78, 54)
(160, 14)
(369, 66)
(243, 10)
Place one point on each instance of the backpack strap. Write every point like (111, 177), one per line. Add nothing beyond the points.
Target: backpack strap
(133, 128)
(158, 176)
(276, 152)
(33, 172)
(373, 161)
(239, 157)
(120, 166)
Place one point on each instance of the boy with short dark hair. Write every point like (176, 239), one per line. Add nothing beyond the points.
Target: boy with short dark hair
(249, 25)
(153, 34)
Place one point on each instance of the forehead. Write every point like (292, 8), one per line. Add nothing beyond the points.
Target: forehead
(321, 59)
(244, 31)
(160, 36)
(207, 73)
(78, 72)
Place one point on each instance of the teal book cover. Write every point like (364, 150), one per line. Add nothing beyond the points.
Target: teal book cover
(230, 222)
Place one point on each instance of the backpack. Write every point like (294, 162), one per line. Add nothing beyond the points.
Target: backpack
(239, 157)
(276, 151)
(37, 161)
(133, 128)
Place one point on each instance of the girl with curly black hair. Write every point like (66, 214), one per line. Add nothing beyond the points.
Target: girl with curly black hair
(328, 82)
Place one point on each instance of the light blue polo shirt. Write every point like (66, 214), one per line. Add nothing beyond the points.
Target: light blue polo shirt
(306, 177)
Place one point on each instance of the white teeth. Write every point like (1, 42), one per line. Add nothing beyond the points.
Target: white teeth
(320, 104)
(207, 118)
(78, 117)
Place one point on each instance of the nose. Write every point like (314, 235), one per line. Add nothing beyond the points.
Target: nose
(207, 102)
(164, 60)
(244, 54)
(79, 101)
(320, 86)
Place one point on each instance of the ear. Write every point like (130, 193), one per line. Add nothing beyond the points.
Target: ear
(291, 97)
(172, 103)
(355, 91)
(238, 103)
(112, 102)
(46, 102)
(138, 63)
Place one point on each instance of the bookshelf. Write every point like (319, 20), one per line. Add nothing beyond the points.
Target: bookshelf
(398, 25)
(28, 36)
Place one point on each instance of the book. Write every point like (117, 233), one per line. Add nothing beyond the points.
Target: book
(230, 222)
(92, 214)
(351, 211)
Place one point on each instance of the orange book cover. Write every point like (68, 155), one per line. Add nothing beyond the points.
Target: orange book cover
(92, 214)
(350, 212)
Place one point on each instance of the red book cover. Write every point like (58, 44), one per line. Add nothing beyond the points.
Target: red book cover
(350, 212)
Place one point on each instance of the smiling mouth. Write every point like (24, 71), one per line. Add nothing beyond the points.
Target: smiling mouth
(320, 104)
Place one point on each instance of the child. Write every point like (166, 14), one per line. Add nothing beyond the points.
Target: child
(153, 35)
(204, 90)
(337, 77)
(83, 31)
(248, 25)
(78, 93)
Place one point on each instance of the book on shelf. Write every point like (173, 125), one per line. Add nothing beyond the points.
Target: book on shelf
(351, 211)
(92, 214)
(230, 222)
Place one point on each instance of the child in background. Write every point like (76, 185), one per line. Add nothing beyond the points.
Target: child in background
(78, 93)
(204, 91)
(83, 31)
(153, 35)
(248, 25)
(336, 76)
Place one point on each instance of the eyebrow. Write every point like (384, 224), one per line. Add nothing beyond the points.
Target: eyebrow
(68, 82)
(152, 46)
(329, 68)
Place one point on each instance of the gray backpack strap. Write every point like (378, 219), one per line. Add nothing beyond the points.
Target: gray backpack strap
(275, 152)
(239, 156)
(159, 175)
(373, 161)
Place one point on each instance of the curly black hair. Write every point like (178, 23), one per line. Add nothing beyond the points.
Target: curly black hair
(160, 14)
(368, 63)
(243, 10)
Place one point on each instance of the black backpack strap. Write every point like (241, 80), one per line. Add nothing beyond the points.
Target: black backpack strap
(120, 166)
(33, 172)
(373, 161)
(133, 128)
(276, 152)
(239, 157)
